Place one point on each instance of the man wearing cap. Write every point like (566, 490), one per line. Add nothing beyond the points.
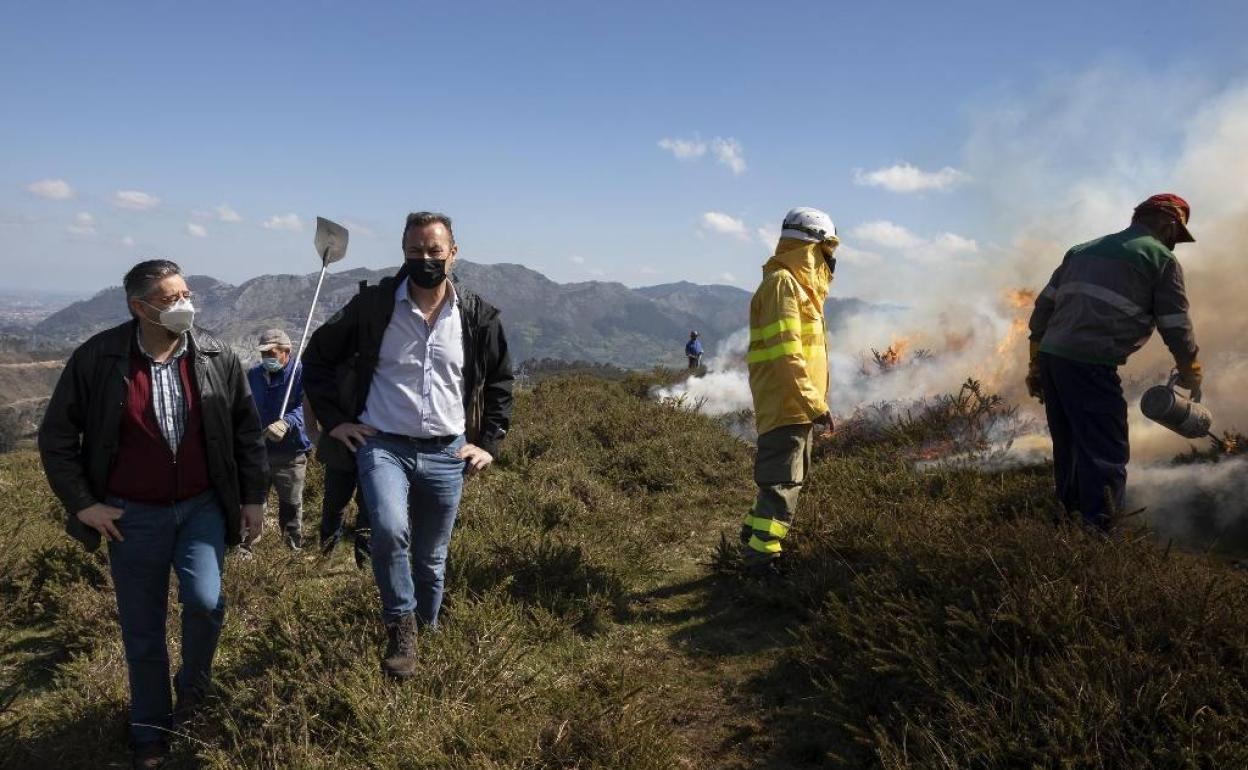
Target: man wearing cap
(788, 363)
(284, 435)
(1100, 306)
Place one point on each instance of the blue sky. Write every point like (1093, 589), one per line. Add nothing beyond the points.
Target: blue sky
(214, 134)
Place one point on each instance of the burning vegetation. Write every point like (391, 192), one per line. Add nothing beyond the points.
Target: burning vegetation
(970, 425)
(1230, 443)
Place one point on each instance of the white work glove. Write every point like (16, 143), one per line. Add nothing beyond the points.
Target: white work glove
(276, 431)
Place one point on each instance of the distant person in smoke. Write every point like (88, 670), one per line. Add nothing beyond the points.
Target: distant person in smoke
(1100, 306)
(693, 350)
(433, 403)
(152, 442)
(284, 435)
(788, 364)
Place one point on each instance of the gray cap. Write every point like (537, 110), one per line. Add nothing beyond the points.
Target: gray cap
(272, 338)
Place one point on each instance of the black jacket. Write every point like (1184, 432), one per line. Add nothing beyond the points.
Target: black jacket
(78, 435)
(356, 331)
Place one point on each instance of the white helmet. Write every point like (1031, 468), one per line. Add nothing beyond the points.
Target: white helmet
(808, 224)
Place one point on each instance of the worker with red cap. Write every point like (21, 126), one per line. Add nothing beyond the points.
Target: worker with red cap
(1100, 306)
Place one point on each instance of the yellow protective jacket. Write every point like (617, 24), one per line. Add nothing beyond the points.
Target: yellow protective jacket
(788, 357)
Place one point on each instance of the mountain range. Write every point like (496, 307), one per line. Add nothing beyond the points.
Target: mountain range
(595, 321)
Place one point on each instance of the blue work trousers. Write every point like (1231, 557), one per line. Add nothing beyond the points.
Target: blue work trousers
(1088, 422)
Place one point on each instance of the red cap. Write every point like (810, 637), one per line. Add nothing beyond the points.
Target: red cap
(1174, 205)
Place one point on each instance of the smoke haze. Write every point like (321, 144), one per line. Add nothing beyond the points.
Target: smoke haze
(1063, 167)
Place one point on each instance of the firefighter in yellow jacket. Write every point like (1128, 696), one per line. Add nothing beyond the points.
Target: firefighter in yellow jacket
(788, 362)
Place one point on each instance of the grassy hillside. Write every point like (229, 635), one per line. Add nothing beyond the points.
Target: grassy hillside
(595, 620)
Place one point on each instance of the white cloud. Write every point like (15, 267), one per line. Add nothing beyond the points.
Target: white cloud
(719, 222)
(290, 222)
(648, 270)
(576, 259)
(127, 241)
(684, 149)
(359, 230)
(729, 153)
(51, 189)
(906, 178)
(769, 236)
(952, 243)
(942, 248)
(852, 256)
(727, 278)
(227, 214)
(887, 234)
(84, 224)
(135, 200)
(196, 230)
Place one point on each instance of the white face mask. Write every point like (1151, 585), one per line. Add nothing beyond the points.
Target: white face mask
(178, 317)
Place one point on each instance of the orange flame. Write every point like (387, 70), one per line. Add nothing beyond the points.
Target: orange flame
(1020, 298)
(894, 354)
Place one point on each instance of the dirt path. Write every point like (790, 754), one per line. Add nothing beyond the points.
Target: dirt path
(725, 639)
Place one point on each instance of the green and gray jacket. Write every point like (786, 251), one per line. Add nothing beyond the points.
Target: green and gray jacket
(1102, 303)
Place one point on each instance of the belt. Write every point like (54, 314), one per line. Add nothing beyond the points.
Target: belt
(433, 441)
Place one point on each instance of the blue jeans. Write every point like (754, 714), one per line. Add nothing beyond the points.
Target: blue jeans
(189, 537)
(412, 489)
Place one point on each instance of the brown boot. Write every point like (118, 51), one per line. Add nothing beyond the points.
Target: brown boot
(400, 661)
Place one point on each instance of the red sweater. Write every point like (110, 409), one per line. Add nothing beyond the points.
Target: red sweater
(145, 470)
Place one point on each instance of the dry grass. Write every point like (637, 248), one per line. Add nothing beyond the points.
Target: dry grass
(934, 619)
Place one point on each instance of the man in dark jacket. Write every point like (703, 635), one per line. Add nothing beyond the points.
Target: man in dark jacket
(151, 440)
(433, 402)
(1100, 306)
(341, 475)
(284, 435)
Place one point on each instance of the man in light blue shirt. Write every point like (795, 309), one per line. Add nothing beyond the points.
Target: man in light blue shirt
(418, 385)
(432, 404)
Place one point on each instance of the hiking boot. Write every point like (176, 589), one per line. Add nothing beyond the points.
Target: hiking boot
(761, 567)
(329, 544)
(149, 755)
(294, 541)
(186, 706)
(400, 661)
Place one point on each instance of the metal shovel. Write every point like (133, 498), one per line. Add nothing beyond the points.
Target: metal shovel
(331, 246)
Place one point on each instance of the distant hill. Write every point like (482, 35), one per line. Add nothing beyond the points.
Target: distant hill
(596, 321)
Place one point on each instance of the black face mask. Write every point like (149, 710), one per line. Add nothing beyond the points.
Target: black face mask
(426, 273)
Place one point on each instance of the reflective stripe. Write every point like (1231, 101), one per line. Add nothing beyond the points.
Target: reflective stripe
(768, 526)
(765, 546)
(1108, 296)
(771, 330)
(775, 351)
(1174, 321)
